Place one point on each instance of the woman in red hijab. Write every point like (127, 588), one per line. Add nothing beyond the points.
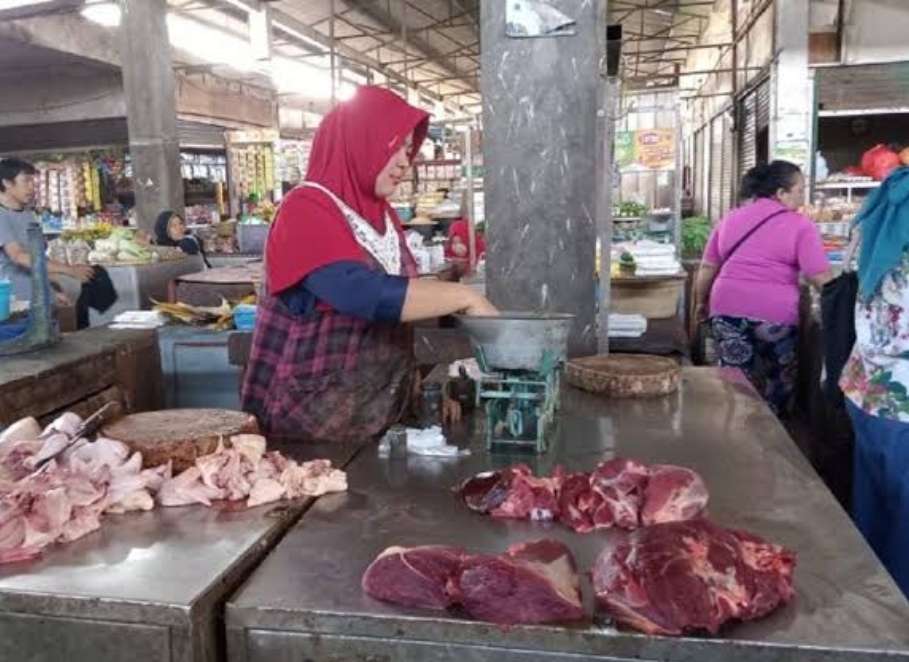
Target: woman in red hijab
(332, 356)
(458, 246)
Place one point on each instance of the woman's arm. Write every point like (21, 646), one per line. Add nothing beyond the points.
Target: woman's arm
(703, 280)
(703, 283)
(812, 258)
(427, 299)
(22, 257)
(353, 289)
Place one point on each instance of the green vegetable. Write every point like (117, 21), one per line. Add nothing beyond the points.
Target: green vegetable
(695, 233)
(630, 210)
(626, 259)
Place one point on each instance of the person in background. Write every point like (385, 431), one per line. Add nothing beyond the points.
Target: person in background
(170, 230)
(332, 354)
(875, 379)
(458, 245)
(748, 281)
(17, 192)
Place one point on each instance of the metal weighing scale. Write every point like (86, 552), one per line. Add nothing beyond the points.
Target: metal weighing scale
(41, 329)
(521, 356)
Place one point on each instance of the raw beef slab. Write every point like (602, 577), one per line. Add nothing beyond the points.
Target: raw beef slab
(534, 582)
(414, 577)
(688, 577)
(531, 583)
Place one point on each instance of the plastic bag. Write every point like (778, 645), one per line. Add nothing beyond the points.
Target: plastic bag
(879, 161)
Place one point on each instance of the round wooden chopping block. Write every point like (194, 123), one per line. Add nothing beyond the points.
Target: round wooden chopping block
(625, 375)
(180, 435)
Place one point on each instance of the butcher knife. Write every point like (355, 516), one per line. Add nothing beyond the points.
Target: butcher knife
(89, 426)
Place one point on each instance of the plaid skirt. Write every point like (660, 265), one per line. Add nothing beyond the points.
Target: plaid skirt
(765, 352)
(326, 376)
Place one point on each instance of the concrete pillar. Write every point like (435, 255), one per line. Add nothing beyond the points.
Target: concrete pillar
(542, 155)
(792, 88)
(148, 81)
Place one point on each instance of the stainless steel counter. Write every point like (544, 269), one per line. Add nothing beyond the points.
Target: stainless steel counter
(146, 587)
(304, 602)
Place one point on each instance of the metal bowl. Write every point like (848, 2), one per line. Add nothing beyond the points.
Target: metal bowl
(518, 340)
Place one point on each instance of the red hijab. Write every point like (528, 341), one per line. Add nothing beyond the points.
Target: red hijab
(352, 145)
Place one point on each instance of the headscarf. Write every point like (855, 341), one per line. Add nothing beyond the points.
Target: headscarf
(162, 238)
(460, 230)
(884, 224)
(351, 147)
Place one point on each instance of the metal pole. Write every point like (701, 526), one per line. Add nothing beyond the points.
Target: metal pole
(607, 106)
(333, 56)
(471, 225)
(679, 184)
(735, 103)
(675, 49)
(404, 38)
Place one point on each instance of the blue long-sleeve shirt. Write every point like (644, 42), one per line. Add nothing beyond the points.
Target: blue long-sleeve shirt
(352, 289)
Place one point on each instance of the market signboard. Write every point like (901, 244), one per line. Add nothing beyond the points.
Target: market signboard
(655, 148)
(645, 149)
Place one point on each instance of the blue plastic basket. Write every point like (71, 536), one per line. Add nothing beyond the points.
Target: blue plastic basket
(245, 317)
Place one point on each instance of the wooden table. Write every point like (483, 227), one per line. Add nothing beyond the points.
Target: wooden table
(85, 370)
(207, 288)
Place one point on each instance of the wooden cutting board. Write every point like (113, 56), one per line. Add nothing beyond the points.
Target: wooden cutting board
(180, 435)
(625, 375)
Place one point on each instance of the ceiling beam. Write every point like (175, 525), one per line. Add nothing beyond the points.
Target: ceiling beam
(376, 35)
(394, 24)
(449, 54)
(395, 35)
(345, 51)
(673, 49)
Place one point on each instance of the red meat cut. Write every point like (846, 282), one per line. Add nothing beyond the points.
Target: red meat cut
(513, 493)
(674, 494)
(529, 497)
(619, 493)
(622, 485)
(530, 583)
(534, 582)
(687, 577)
(414, 577)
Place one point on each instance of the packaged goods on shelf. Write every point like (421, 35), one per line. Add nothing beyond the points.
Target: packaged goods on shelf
(202, 214)
(833, 214)
(253, 170)
(291, 160)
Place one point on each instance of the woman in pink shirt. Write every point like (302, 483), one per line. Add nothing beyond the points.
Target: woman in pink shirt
(749, 279)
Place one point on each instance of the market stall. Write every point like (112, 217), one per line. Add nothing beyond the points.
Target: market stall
(83, 187)
(139, 285)
(139, 272)
(204, 185)
(306, 600)
(861, 127)
(147, 587)
(82, 372)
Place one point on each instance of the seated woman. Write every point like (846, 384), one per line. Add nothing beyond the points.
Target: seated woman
(170, 230)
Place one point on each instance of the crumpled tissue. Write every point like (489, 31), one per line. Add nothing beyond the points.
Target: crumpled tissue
(428, 442)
